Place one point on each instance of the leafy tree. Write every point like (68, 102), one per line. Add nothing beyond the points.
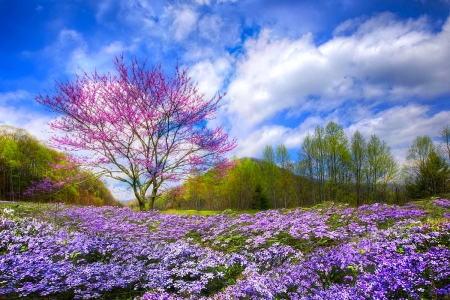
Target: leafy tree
(194, 189)
(284, 161)
(437, 172)
(11, 156)
(319, 151)
(260, 200)
(248, 175)
(306, 164)
(359, 161)
(426, 171)
(337, 158)
(381, 168)
(271, 174)
(142, 127)
(445, 138)
(29, 170)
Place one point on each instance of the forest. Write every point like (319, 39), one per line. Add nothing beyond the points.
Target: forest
(329, 167)
(27, 165)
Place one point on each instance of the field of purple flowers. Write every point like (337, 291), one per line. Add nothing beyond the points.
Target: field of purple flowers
(330, 251)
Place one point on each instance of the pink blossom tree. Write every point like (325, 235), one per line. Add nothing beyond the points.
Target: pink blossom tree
(141, 127)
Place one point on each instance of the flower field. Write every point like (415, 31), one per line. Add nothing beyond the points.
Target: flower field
(331, 251)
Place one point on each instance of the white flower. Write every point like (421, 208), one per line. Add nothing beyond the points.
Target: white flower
(8, 211)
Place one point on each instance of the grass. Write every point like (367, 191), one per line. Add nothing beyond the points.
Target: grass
(191, 212)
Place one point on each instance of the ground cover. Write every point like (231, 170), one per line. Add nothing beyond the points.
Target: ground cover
(191, 212)
(330, 251)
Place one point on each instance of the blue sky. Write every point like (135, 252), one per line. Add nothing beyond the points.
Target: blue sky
(381, 67)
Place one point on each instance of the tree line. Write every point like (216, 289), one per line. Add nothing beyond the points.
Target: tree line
(25, 163)
(329, 167)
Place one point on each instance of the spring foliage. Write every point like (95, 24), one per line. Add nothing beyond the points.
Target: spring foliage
(329, 167)
(29, 170)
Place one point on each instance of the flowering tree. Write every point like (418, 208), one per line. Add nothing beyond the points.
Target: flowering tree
(142, 127)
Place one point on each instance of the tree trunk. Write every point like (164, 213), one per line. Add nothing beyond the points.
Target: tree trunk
(153, 198)
(141, 205)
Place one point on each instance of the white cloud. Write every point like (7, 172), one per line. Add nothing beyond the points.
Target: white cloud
(253, 144)
(384, 59)
(68, 41)
(16, 111)
(11, 97)
(210, 75)
(35, 123)
(400, 125)
(81, 60)
(185, 22)
(348, 26)
(276, 75)
(139, 13)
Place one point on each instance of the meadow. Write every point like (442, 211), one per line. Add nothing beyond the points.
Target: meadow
(330, 251)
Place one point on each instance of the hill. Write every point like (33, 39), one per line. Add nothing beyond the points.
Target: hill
(31, 171)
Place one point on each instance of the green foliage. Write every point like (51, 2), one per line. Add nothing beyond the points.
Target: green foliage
(426, 171)
(24, 160)
(260, 200)
(339, 275)
(231, 243)
(285, 238)
(217, 284)
(329, 167)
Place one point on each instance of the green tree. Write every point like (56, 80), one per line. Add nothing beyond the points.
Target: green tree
(445, 139)
(337, 159)
(242, 180)
(11, 156)
(24, 159)
(306, 165)
(358, 161)
(284, 162)
(381, 168)
(318, 145)
(271, 175)
(260, 200)
(426, 171)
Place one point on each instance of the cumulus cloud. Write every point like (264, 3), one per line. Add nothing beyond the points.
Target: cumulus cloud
(81, 60)
(251, 142)
(383, 59)
(272, 77)
(16, 110)
(363, 78)
(399, 125)
(210, 75)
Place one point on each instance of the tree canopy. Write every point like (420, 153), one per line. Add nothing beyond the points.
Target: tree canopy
(27, 164)
(329, 167)
(141, 127)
